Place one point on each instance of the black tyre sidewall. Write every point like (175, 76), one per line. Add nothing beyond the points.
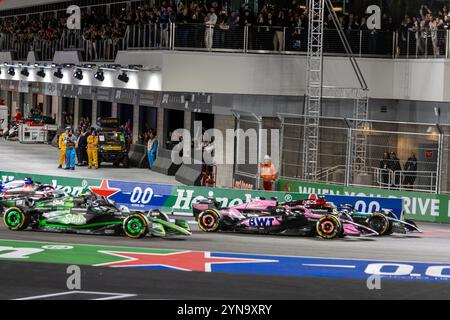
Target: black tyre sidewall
(388, 226)
(143, 233)
(21, 226)
(211, 213)
(338, 228)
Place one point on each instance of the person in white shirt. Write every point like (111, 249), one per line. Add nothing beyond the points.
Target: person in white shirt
(210, 21)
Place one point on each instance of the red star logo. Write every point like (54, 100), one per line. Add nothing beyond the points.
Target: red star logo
(104, 190)
(185, 260)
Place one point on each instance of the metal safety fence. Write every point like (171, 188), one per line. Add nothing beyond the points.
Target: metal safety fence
(248, 147)
(399, 156)
(233, 38)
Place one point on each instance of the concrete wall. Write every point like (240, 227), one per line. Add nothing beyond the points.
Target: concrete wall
(266, 74)
(253, 74)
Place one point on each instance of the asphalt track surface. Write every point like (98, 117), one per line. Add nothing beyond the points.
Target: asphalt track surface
(26, 279)
(42, 279)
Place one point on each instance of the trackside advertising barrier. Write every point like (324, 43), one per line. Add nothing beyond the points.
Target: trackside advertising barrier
(418, 206)
(179, 199)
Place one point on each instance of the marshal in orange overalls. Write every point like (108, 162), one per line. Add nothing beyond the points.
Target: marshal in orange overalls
(268, 174)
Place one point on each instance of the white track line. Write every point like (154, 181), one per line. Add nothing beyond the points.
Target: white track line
(112, 294)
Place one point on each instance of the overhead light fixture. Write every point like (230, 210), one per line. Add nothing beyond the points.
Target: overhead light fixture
(25, 72)
(78, 74)
(58, 74)
(99, 75)
(41, 73)
(123, 77)
(11, 71)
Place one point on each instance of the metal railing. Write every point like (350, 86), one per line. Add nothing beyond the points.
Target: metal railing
(235, 38)
(415, 44)
(406, 180)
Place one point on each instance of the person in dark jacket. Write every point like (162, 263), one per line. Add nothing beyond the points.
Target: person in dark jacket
(396, 168)
(410, 168)
(81, 148)
(385, 166)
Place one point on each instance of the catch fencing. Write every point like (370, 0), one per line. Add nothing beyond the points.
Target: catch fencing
(396, 155)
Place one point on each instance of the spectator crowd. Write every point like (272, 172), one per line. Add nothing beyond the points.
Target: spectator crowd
(212, 24)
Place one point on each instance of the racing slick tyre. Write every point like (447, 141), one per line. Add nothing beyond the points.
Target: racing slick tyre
(209, 220)
(15, 219)
(136, 226)
(380, 223)
(329, 227)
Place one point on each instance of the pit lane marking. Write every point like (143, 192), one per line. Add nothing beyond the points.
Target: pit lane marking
(112, 295)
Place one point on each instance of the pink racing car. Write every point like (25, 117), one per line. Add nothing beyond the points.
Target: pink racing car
(271, 217)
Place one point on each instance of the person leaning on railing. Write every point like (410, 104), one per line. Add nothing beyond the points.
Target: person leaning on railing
(248, 20)
(281, 22)
(183, 21)
(410, 168)
(210, 21)
(396, 168)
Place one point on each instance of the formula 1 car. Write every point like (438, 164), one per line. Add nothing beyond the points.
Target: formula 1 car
(89, 214)
(26, 185)
(385, 222)
(271, 217)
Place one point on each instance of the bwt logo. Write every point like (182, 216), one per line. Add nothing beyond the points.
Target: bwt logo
(74, 20)
(261, 222)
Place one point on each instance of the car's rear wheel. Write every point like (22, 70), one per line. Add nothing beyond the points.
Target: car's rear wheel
(135, 226)
(380, 223)
(15, 219)
(209, 220)
(329, 227)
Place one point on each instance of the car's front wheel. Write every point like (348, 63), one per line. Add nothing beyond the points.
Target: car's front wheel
(329, 227)
(135, 226)
(380, 223)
